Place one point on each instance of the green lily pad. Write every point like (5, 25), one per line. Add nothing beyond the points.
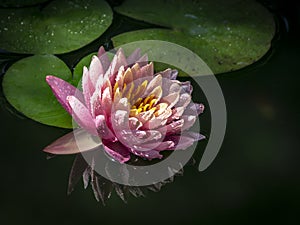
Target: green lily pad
(25, 88)
(227, 35)
(59, 27)
(19, 3)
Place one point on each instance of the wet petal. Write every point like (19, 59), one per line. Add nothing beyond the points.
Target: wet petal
(194, 109)
(95, 69)
(148, 70)
(181, 142)
(172, 128)
(189, 121)
(194, 135)
(171, 99)
(117, 151)
(87, 87)
(67, 144)
(102, 55)
(186, 87)
(169, 74)
(134, 123)
(103, 130)
(106, 103)
(153, 154)
(82, 115)
(184, 100)
(154, 83)
(118, 61)
(165, 145)
(61, 89)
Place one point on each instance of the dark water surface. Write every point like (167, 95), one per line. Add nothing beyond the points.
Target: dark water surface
(255, 179)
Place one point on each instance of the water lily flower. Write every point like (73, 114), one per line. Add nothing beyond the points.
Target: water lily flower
(129, 107)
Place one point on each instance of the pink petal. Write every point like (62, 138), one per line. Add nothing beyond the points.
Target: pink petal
(67, 144)
(165, 145)
(165, 74)
(184, 100)
(194, 109)
(185, 140)
(102, 55)
(95, 70)
(172, 128)
(87, 87)
(61, 89)
(186, 87)
(82, 115)
(148, 70)
(161, 120)
(134, 123)
(95, 100)
(117, 151)
(174, 75)
(195, 136)
(169, 74)
(136, 55)
(152, 154)
(118, 61)
(181, 142)
(177, 113)
(106, 102)
(145, 116)
(143, 60)
(103, 131)
(171, 99)
(156, 82)
(189, 121)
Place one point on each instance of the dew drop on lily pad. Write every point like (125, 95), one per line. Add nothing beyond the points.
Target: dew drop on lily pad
(25, 88)
(58, 27)
(227, 35)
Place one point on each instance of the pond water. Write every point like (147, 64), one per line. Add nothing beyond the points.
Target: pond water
(254, 179)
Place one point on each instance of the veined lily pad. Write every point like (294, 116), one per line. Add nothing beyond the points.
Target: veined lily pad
(25, 88)
(227, 35)
(59, 27)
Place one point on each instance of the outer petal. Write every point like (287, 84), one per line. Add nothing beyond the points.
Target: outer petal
(87, 87)
(143, 60)
(189, 121)
(103, 130)
(184, 140)
(172, 128)
(117, 151)
(184, 100)
(153, 154)
(67, 144)
(118, 61)
(171, 99)
(82, 115)
(136, 55)
(96, 69)
(102, 55)
(169, 74)
(61, 89)
(194, 109)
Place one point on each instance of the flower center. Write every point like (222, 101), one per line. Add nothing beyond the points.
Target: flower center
(143, 105)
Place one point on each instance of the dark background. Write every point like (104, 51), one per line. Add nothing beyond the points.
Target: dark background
(253, 180)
